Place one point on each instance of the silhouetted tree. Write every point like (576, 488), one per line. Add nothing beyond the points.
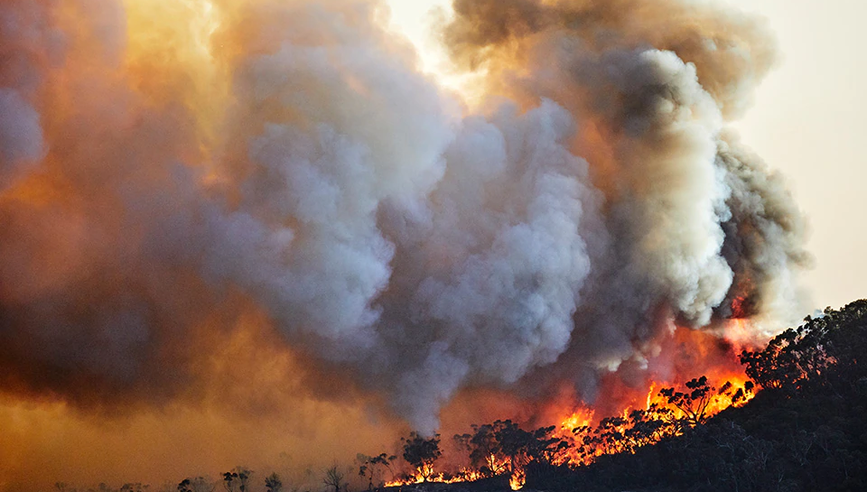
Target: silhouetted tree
(244, 476)
(133, 487)
(237, 477)
(370, 465)
(334, 478)
(273, 483)
(522, 447)
(421, 453)
(826, 350)
(230, 479)
(184, 486)
(198, 484)
(693, 402)
(485, 450)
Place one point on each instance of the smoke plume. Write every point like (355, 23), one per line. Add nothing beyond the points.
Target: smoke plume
(175, 172)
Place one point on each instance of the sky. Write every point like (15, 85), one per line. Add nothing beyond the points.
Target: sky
(808, 122)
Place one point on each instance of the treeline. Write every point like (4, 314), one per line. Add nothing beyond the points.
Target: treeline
(806, 431)
(503, 447)
(238, 479)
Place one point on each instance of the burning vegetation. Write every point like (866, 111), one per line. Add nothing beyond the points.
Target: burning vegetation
(799, 368)
(643, 416)
(504, 448)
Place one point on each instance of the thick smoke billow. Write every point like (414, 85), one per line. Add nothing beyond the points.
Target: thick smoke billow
(171, 169)
(764, 235)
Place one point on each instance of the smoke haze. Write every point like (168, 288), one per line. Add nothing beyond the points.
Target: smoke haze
(263, 212)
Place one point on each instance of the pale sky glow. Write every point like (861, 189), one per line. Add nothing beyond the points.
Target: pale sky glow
(415, 19)
(809, 121)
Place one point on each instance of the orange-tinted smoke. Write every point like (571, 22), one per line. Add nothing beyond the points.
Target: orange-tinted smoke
(230, 222)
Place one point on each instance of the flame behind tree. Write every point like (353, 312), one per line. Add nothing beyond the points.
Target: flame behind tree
(504, 448)
(814, 366)
(421, 453)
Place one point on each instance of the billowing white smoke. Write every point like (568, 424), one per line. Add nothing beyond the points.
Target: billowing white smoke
(337, 189)
(347, 130)
(503, 257)
(670, 189)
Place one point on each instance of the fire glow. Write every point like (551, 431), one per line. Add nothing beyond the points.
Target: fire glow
(197, 194)
(665, 409)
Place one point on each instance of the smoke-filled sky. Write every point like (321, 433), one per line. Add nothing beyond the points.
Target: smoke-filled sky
(233, 231)
(806, 120)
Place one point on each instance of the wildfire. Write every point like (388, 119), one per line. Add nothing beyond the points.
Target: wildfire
(518, 479)
(624, 419)
(739, 307)
(663, 414)
(465, 475)
(665, 407)
(579, 418)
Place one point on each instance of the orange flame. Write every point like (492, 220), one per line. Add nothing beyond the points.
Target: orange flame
(697, 353)
(518, 479)
(465, 475)
(609, 425)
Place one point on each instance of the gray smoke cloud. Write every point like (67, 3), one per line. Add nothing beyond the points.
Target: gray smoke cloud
(764, 236)
(296, 163)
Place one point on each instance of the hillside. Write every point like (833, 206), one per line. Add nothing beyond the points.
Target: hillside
(805, 431)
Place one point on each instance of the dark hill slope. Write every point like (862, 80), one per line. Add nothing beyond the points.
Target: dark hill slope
(807, 431)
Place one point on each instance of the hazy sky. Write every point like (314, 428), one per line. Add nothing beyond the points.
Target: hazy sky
(809, 121)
